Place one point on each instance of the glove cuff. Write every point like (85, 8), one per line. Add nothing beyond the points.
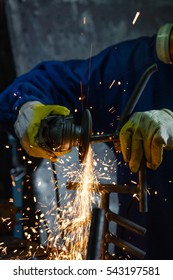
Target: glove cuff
(169, 112)
(24, 118)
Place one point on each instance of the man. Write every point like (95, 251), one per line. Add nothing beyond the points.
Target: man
(103, 84)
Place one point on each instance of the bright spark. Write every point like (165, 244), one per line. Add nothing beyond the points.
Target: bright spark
(135, 18)
(113, 82)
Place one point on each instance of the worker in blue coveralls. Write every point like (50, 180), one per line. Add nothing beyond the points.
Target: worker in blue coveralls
(107, 81)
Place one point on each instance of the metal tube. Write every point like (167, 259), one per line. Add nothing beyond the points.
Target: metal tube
(59, 212)
(110, 188)
(142, 188)
(96, 234)
(106, 137)
(125, 246)
(107, 188)
(125, 223)
(105, 207)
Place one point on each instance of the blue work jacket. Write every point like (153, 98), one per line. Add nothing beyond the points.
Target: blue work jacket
(103, 84)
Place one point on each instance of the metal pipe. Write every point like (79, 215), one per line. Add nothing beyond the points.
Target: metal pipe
(105, 207)
(106, 137)
(59, 212)
(142, 188)
(107, 188)
(96, 234)
(125, 246)
(125, 223)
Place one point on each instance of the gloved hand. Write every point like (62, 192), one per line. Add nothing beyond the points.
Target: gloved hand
(28, 123)
(145, 135)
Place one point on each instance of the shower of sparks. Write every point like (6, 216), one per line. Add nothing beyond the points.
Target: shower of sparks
(135, 18)
(76, 217)
(67, 239)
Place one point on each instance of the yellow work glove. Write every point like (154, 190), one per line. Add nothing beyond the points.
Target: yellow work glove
(28, 123)
(145, 135)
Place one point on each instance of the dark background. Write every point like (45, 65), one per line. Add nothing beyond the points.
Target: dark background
(55, 29)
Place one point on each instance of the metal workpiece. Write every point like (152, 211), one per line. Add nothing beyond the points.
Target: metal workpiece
(140, 189)
(96, 234)
(109, 238)
(105, 190)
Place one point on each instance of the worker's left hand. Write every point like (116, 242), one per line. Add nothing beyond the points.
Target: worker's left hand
(145, 135)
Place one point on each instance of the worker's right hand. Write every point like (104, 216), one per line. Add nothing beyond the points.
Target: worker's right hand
(145, 135)
(28, 123)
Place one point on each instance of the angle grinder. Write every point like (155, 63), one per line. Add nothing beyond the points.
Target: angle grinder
(59, 134)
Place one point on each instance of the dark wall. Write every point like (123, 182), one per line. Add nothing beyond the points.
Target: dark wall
(64, 29)
(7, 74)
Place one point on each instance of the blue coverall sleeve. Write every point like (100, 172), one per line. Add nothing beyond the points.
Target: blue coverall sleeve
(80, 84)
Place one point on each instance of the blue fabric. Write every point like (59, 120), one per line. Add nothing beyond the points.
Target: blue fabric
(103, 84)
(64, 83)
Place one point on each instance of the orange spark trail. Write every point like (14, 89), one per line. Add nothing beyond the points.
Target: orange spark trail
(76, 217)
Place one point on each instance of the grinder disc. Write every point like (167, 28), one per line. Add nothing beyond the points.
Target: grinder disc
(86, 126)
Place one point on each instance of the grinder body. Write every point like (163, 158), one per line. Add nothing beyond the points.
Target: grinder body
(60, 134)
